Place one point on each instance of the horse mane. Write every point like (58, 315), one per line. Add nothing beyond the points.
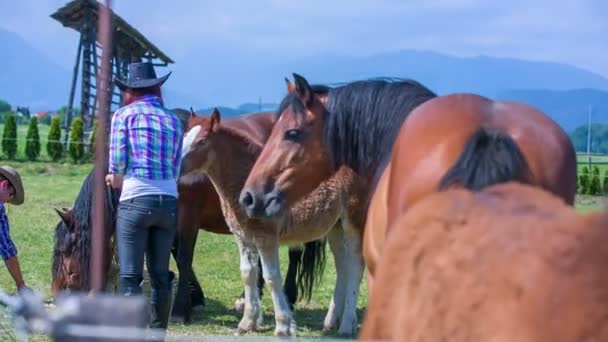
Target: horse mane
(363, 119)
(82, 219)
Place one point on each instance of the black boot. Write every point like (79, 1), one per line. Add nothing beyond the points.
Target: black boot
(127, 287)
(161, 302)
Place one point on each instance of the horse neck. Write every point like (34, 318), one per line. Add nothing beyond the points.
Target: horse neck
(329, 196)
(236, 156)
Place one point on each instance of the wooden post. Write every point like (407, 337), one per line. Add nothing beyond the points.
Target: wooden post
(99, 234)
(68, 113)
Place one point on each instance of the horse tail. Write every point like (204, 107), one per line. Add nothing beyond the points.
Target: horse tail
(489, 157)
(310, 270)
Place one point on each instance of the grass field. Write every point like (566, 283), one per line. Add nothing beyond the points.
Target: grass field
(50, 185)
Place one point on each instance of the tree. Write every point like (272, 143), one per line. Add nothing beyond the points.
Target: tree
(595, 186)
(605, 183)
(76, 146)
(4, 106)
(32, 145)
(9, 138)
(584, 181)
(54, 148)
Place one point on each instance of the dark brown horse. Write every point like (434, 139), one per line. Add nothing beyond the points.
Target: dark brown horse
(511, 262)
(323, 133)
(469, 141)
(71, 252)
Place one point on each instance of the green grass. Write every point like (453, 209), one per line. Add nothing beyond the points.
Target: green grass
(216, 263)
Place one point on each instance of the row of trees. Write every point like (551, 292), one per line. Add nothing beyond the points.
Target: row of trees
(55, 149)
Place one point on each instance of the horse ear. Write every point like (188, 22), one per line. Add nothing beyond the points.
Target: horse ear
(303, 90)
(290, 86)
(65, 215)
(192, 113)
(215, 120)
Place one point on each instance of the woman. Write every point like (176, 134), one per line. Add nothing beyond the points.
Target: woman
(145, 148)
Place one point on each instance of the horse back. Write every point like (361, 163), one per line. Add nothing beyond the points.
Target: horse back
(255, 126)
(434, 137)
(510, 263)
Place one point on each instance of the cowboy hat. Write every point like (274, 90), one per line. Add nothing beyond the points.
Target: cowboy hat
(14, 178)
(141, 75)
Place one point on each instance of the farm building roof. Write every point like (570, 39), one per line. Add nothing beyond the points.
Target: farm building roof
(127, 40)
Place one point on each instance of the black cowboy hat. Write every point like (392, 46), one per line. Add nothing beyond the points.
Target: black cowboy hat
(141, 75)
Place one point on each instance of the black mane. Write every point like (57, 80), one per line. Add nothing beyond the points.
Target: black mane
(82, 216)
(363, 119)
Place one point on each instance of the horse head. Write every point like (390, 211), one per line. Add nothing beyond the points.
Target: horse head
(67, 269)
(294, 160)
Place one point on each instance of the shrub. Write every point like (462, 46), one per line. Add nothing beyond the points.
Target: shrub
(595, 186)
(584, 181)
(605, 183)
(9, 138)
(32, 145)
(54, 148)
(91, 148)
(76, 146)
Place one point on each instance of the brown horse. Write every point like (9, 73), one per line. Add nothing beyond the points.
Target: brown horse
(226, 153)
(512, 262)
(310, 219)
(470, 141)
(324, 133)
(200, 209)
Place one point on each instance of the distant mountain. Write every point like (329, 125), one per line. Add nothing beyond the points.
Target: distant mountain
(245, 108)
(569, 108)
(236, 80)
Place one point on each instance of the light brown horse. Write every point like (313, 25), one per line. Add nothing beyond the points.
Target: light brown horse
(225, 152)
(470, 141)
(347, 130)
(200, 209)
(512, 262)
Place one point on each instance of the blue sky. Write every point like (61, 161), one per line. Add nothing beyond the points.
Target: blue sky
(568, 31)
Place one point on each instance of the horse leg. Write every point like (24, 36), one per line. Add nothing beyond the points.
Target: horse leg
(182, 305)
(252, 313)
(335, 237)
(291, 288)
(239, 304)
(285, 323)
(354, 266)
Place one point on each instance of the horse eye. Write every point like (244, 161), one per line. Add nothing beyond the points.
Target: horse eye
(293, 134)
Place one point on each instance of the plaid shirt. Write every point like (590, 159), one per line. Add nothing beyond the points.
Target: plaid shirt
(7, 247)
(146, 140)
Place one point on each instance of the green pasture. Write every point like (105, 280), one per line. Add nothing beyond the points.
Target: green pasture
(55, 185)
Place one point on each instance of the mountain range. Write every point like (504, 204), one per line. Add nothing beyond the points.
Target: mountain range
(236, 81)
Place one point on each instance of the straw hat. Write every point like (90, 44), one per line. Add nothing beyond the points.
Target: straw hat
(15, 179)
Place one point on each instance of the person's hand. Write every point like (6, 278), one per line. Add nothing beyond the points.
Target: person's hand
(114, 180)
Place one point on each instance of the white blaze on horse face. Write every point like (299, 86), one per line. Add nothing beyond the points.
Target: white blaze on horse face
(189, 140)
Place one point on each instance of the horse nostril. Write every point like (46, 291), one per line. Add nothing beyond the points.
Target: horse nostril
(247, 200)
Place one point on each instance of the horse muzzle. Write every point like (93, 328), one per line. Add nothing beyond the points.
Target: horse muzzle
(259, 205)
